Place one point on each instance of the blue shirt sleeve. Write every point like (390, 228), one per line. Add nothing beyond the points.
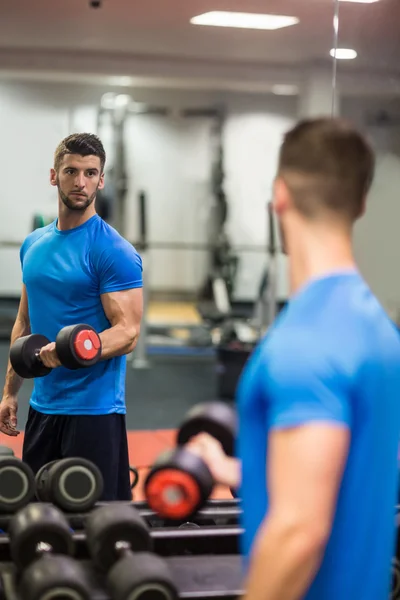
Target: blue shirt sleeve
(304, 382)
(22, 253)
(119, 267)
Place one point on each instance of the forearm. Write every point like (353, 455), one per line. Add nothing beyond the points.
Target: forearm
(283, 564)
(117, 341)
(13, 382)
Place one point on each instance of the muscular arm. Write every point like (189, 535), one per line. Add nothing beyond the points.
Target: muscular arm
(305, 467)
(124, 310)
(21, 327)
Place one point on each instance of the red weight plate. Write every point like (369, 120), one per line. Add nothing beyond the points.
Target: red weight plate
(172, 494)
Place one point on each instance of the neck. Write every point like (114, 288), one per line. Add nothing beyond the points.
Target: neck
(69, 219)
(316, 251)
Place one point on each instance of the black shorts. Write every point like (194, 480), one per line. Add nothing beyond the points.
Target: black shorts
(101, 439)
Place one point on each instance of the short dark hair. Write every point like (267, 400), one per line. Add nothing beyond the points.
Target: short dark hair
(84, 144)
(327, 164)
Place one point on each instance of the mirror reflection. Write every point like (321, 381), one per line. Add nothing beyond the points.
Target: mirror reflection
(162, 126)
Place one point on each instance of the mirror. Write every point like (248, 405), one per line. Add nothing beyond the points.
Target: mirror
(191, 113)
(368, 86)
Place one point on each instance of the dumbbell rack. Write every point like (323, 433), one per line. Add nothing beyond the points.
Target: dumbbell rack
(204, 559)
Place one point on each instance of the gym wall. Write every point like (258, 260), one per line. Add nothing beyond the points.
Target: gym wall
(376, 235)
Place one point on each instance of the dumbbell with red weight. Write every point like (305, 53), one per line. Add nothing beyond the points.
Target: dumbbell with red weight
(77, 347)
(180, 482)
(72, 484)
(120, 546)
(42, 549)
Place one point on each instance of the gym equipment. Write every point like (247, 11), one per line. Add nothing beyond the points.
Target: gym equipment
(77, 346)
(267, 304)
(135, 477)
(180, 482)
(220, 282)
(139, 356)
(41, 220)
(17, 482)
(120, 545)
(233, 350)
(72, 484)
(6, 451)
(116, 108)
(41, 546)
(223, 262)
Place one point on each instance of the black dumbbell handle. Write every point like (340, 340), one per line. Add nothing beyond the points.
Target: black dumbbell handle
(37, 355)
(43, 548)
(123, 547)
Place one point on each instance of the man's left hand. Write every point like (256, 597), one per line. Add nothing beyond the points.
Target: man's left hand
(48, 356)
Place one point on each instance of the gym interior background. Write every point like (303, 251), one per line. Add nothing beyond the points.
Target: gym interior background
(192, 117)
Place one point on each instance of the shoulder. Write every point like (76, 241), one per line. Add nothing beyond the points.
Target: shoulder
(109, 243)
(116, 262)
(34, 237)
(305, 356)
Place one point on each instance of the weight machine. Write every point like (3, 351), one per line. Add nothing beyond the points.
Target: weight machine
(219, 286)
(113, 198)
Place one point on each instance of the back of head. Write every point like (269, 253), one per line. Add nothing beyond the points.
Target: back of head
(328, 168)
(84, 144)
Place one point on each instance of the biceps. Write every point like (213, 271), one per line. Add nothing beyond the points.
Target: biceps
(305, 468)
(124, 307)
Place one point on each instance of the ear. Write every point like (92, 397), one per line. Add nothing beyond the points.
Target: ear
(281, 199)
(53, 177)
(101, 182)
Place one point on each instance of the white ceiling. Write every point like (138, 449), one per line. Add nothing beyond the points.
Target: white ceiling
(141, 43)
(161, 27)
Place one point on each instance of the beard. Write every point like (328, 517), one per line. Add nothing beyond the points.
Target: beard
(74, 204)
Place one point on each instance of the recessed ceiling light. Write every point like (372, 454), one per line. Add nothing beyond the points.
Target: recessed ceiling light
(244, 20)
(343, 54)
(360, 1)
(285, 89)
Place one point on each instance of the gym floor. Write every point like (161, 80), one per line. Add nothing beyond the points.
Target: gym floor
(156, 398)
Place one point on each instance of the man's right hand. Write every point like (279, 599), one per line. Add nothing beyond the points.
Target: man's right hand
(224, 469)
(8, 416)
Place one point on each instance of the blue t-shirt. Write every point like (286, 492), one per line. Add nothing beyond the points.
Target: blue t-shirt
(332, 355)
(65, 273)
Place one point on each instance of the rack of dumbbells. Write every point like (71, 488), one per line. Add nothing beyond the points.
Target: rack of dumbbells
(59, 541)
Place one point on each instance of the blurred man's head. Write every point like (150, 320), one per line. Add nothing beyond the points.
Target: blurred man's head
(326, 168)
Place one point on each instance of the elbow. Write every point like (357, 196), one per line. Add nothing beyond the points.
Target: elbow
(305, 540)
(311, 541)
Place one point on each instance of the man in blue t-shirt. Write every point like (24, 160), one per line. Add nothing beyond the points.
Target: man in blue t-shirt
(318, 401)
(77, 270)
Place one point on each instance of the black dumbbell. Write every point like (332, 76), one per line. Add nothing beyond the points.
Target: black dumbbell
(17, 482)
(42, 549)
(72, 484)
(77, 346)
(6, 451)
(180, 482)
(120, 545)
